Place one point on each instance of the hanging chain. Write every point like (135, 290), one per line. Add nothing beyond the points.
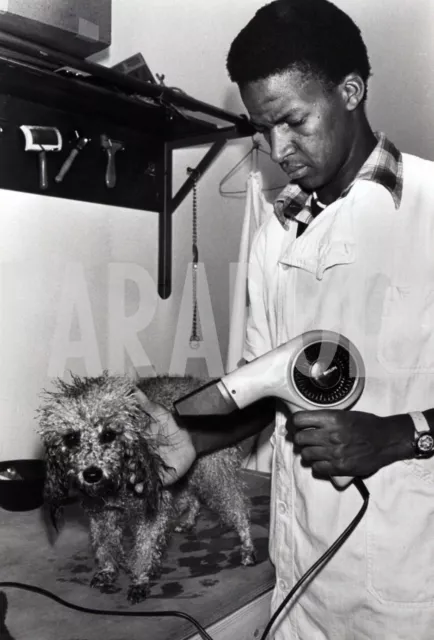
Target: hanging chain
(195, 337)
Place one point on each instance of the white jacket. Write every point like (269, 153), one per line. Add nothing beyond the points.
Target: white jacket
(365, 269)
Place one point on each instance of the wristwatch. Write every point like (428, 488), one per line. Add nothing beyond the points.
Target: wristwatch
(423, 442)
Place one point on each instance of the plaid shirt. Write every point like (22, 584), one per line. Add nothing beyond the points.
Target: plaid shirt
(384, 166)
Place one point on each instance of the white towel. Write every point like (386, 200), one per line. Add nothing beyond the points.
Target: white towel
(258, 449)
(256, 210)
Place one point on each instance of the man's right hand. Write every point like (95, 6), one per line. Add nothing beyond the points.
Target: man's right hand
(175, 445)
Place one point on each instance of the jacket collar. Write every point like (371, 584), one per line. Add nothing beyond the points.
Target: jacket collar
(384, 166)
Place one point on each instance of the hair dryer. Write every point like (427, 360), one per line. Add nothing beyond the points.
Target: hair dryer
(316, 370)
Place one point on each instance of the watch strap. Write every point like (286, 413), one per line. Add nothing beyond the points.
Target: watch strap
(420, 422)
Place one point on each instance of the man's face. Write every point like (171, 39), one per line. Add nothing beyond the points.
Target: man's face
(308, 128)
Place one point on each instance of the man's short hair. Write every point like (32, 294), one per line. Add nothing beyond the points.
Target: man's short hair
(311, 36)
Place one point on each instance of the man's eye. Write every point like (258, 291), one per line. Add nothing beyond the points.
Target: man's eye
(107, 436)
(296, 123)
(71, 439)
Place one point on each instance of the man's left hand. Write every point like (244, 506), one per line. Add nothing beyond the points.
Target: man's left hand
(351, 443)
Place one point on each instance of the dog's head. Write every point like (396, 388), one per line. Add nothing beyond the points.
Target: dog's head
(97, 440)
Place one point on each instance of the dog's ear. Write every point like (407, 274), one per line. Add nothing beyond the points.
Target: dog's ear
(56, 488)
(142, 469)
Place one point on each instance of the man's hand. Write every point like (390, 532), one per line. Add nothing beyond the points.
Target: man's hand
(351, 443)
(175, 445)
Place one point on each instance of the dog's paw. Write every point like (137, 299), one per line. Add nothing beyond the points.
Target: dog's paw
(248, 557)
(138, 592)
(104, 581)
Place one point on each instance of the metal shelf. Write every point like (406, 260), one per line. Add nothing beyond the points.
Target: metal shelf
(59, 89)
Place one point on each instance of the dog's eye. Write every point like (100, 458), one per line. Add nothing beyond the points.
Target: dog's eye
(107, 436)
(71, 439)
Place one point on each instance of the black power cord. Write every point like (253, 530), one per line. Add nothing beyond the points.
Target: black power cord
(204, 635)
(359, 484)
(107, 612)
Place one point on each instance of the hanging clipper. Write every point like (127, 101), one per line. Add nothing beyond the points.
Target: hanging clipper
(111, 147)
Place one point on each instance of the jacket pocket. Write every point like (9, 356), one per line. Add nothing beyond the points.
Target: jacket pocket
(400, 549)
(406, 336)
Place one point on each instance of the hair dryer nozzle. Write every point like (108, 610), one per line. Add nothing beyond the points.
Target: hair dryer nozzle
(212, 399)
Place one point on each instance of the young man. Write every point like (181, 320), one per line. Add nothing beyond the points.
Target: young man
(348, 249)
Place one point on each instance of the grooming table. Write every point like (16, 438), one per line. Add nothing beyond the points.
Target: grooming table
(201, 576)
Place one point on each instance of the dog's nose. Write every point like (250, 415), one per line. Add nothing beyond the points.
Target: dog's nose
(92, 474)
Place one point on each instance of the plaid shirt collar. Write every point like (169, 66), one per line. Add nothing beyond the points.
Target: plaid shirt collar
(383, 166)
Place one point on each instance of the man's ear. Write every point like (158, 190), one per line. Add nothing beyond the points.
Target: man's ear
(352, 90)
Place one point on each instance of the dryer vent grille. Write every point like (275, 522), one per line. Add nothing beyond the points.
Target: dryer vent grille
(325, 373)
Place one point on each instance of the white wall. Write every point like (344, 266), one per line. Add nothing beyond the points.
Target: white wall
(42, 238)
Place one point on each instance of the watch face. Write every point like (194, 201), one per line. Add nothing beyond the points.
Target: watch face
(425, 443)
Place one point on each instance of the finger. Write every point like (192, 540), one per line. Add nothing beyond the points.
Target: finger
(144, 401)
(332, 467)
(153, 409)
(311, 437)
(317, 419)
(323, 469)
(168, 477)
(316, 454)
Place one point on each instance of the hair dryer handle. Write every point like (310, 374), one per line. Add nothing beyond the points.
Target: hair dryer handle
(340, 482)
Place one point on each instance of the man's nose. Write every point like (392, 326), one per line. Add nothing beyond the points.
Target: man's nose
(281, 144)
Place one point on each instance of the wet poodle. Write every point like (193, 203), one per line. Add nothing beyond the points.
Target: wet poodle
(98, 444)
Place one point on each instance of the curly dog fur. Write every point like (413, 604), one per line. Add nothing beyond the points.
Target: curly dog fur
(97, 442)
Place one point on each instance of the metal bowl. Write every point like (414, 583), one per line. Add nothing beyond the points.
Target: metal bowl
(21, 484)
